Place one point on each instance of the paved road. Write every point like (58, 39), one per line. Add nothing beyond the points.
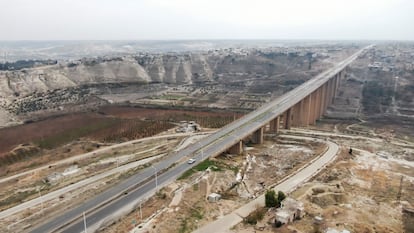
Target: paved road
(211, 146)
(227, 222)
(55, 194)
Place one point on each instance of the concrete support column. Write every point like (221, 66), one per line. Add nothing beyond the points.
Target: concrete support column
(275, 124)
(288, 120)
(322, 101)
(302, 121)
(236, 148)
(257, 136)
(318, 103)
(328, 94)
(340, 79)
(327, 99)
(312, 115)
(335, 88)
(296, 118)
(306, 110)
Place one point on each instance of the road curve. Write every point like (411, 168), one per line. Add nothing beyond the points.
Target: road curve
(288, 185)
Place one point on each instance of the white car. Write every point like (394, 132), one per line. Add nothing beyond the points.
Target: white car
(191, 161)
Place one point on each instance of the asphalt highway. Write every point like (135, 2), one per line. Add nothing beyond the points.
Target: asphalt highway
(100, 208)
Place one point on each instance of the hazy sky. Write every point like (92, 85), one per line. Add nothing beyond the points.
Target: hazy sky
(206, 19)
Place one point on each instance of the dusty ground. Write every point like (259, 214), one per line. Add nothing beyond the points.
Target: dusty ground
(188, 207)
(358, 192)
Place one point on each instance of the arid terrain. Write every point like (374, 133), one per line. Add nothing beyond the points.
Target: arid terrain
(100, 120)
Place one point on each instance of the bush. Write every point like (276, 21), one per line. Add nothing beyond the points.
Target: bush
(280, 196)
(255, 216)
(270, 199)
(273, 200)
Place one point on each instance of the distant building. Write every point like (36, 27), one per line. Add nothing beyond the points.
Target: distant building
(186, 127)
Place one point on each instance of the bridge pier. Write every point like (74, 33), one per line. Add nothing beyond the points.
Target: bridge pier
(312, 119)
(331, 91)
(306, 110)
(236, 148)
(287, 118)
(325, 99)
(297, 114)
(275, 124)
(257, 137)
(320, 103)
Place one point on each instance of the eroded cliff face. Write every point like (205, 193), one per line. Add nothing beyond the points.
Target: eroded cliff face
(75, 83)
(42, 79)
(164, 69)
(146, 68)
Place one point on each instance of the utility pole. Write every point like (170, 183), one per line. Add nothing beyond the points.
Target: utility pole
(156, 177)
(140, 209)
(84, 222)
(41, 200)
(400, 189)
(202, 152)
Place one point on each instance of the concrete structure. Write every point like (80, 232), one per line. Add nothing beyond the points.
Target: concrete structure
(214, 197)
(289, 211)
(186, 127)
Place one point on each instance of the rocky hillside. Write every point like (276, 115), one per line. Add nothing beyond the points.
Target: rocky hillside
(48, 86)
(174, 68)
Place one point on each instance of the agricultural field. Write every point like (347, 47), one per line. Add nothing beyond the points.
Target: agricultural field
(89, 131)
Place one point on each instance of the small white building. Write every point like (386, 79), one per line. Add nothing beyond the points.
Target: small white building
(214, 197)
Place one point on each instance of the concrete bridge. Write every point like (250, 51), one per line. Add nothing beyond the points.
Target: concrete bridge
(298, 108)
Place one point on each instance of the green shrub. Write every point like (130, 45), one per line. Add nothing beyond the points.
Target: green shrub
(281, 196)
(255, 216)
(270, 199)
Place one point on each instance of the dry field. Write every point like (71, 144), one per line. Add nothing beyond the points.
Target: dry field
(24, 143)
